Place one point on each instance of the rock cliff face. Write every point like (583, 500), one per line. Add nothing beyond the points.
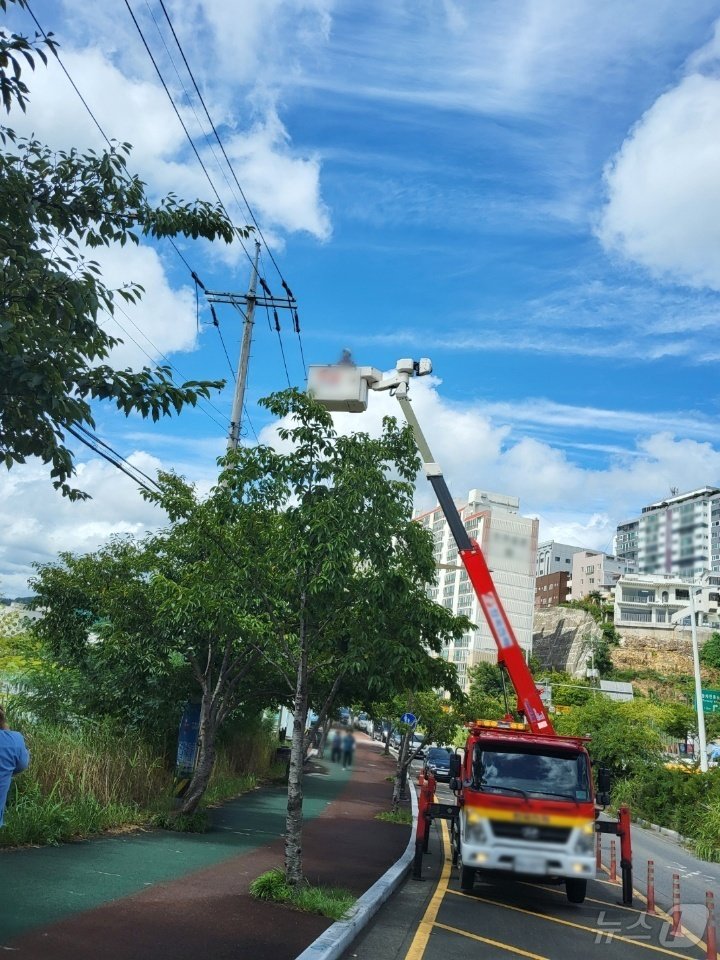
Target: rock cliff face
(563, 639)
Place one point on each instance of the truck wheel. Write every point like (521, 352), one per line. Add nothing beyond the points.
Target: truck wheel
(576, 890)
(467, 877)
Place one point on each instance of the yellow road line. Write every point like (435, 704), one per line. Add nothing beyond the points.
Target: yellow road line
(493, 943)
(422, 934)
(569, 923)
(604, 903)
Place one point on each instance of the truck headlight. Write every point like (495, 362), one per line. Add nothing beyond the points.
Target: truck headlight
(475, 832)
(585, 842)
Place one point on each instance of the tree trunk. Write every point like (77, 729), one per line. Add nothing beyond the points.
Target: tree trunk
(323, 739)
(206, 758)
(400, 772)
(294, 821)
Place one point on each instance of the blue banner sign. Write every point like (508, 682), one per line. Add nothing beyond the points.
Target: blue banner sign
(188, 739)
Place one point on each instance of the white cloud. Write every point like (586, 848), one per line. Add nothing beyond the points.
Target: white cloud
(163, 321)
(478, 450)
(663, 207)
(282, 186)
(575, 503)
(36, 523)
(494, 57)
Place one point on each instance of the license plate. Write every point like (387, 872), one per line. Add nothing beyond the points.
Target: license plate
(529, 865)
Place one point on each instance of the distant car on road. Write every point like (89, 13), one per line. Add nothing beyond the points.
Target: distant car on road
(418, 747)
(438, 759)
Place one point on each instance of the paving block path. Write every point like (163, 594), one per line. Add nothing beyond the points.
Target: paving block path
(140, 895)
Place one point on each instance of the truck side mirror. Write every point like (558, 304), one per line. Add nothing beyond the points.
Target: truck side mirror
(604, 786)
(454, 766)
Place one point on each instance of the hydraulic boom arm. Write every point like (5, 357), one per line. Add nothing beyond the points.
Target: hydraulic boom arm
(509, 651)
(344, 386)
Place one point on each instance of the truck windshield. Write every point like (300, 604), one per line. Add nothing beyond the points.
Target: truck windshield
(556, 774)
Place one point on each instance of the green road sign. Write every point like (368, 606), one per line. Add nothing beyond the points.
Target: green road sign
(711, 701)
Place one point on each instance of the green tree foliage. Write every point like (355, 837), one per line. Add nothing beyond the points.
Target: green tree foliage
(624, 736)
(710, 652)
(352, 568)
(301, 574)
(55, 207)
(184, 613)
(16, 53)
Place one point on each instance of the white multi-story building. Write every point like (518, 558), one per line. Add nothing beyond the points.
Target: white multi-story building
(509, 543)
(596, 572)
(554, 557)
(680, 535)
(651, 600)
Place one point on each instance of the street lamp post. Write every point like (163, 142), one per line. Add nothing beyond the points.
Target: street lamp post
(677, 617)
(698, 684)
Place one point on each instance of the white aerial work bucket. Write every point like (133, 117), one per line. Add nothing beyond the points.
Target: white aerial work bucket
(339, 387)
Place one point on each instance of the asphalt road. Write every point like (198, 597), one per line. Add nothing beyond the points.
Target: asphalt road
(671, 857)
(435, 920)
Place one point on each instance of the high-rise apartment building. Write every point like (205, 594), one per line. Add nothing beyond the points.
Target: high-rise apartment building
(509, 543)
(679, 536)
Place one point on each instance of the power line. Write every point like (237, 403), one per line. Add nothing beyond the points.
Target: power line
(182, 123)
(189, 101)
(105, 456)
(296, 322)
(247, 417)
(168, 361)
(175, 247)
(67, 74)
(94, 437)
(216, 324)
(217, 137)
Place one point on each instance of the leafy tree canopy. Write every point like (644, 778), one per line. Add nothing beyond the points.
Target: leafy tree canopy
(55, 355)
(710, 652)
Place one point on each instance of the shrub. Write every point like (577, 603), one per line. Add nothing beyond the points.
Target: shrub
(328, 901)
(395, 816)
(271, 886)
(196, 822)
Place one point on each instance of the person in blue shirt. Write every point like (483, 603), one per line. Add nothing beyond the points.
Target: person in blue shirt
(14, 758)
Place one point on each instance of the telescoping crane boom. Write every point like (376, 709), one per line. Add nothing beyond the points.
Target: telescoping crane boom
(525, 798)
(344, 387)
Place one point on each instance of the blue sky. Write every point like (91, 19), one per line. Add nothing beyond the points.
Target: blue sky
(525, 192)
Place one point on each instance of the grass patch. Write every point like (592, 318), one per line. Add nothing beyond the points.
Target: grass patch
(331, 902)
(395, 816)
(88, 779)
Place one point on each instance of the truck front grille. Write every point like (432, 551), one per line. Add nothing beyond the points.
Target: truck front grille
(509, 830)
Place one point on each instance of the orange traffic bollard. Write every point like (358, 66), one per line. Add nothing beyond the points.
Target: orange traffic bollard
(613, 862)
(675, 911)
(710, 934)
(651, 887)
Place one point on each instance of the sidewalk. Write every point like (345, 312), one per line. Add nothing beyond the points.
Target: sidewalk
(141, 895)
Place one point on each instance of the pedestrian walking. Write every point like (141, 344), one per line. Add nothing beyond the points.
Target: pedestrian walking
(336, 746)
(14, 758)
(348, 749)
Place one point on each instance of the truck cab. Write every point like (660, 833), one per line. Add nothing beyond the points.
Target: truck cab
(526, 807)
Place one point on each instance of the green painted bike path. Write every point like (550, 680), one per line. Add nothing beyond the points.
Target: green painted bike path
(42, 885)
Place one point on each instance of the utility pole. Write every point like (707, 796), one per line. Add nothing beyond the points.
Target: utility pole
(249, 301)
(241, 378)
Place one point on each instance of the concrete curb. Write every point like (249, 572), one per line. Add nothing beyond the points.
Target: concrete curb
(663, 831)
(336, 939)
